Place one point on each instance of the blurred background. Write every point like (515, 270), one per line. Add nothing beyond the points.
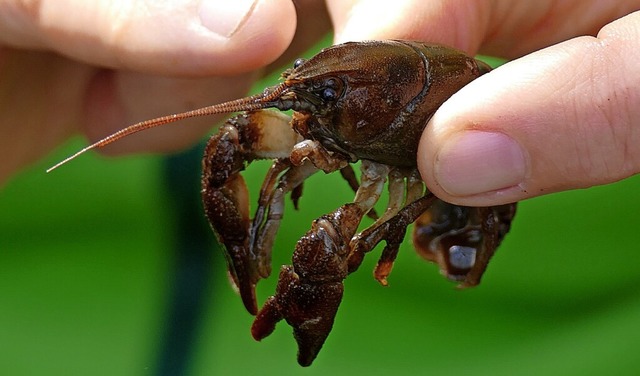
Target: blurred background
(107, 268)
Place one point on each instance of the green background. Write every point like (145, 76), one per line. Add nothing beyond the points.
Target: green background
(87, 266)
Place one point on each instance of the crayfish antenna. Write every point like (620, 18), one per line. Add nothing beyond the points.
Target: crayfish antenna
(67, 159)
(255, 102)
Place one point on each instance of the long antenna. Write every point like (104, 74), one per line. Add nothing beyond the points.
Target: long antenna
(253, 102)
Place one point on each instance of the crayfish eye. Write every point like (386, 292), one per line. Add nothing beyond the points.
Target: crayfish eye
(329, 94)
(298, 62)
(331, 89)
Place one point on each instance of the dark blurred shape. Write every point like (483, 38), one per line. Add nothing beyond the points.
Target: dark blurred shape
(193, 250)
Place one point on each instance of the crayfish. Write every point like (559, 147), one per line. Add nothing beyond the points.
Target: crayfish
(359, 101)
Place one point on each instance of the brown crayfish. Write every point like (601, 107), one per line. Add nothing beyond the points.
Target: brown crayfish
(365, 101)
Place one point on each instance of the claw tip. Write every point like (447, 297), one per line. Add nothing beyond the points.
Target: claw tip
(250, 302)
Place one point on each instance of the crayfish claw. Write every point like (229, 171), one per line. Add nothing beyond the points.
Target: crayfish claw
(246, 288)
(266, 320)
(248, 296)
(309, 292)
(249, 301)
(309, 309)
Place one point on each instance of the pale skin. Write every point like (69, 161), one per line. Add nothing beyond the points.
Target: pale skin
(563, 114)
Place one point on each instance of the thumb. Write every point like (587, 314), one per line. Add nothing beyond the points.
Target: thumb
(181, 37)
(561, 118)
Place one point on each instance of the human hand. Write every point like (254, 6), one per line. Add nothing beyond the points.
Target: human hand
(96, 67)
(560, 118)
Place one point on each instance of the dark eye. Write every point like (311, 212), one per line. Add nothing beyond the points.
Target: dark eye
(331, 89)
(299, 61)
(329, 94)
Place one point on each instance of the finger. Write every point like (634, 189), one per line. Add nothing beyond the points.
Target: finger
(500, 28)
(185, 37)
(562, 118)
(40, 96)
(434, 21)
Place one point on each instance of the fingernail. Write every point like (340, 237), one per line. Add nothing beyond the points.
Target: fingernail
(225, 17)
(478, 162)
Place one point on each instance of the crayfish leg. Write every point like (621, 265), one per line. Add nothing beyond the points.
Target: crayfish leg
(406, 189)
(271, 207)
(392, 231)
(349, 176)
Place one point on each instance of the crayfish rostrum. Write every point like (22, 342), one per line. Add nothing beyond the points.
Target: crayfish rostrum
(359, 101)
